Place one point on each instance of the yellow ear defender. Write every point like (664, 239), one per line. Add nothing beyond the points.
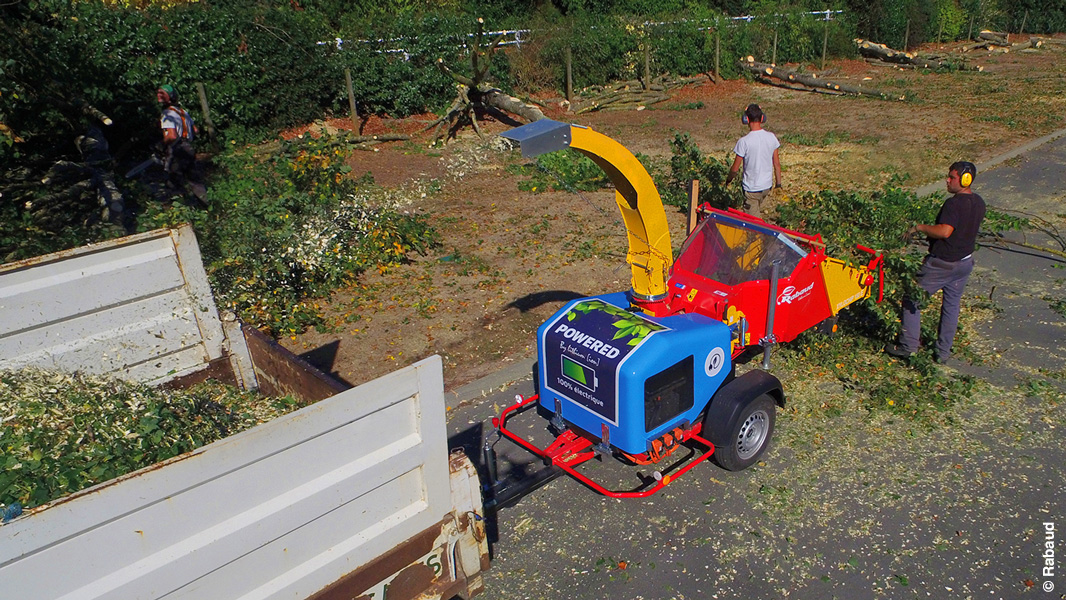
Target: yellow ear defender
(966, 170)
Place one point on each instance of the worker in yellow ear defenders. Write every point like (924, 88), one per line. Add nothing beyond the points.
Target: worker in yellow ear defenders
(952, 240)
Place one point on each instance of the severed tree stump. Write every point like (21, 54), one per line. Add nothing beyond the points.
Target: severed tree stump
(474, 96)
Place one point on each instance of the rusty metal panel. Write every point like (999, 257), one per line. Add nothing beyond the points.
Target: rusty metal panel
(283, 510)
(279, 372)
(139, 307)
(444, 561)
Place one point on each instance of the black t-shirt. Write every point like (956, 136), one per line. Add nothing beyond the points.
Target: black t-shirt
(964, 212)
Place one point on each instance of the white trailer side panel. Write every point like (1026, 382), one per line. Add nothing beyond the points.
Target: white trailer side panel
(279, 511)
(139, 307)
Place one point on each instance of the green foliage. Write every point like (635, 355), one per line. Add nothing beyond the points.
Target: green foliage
(687, 163)
(873, 219)
(284, 231)
(916, 388)
(1039, 16)
(603, 49)
(877, 220)
(259, 63)
(561, 170)
(395, 72)
(683, 46)
(886, 21)
(800, 36)
(63, 433)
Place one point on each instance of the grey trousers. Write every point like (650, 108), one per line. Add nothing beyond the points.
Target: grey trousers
(935, 275)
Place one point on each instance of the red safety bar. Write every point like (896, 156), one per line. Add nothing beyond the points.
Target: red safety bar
(878, 262)
(570, 450)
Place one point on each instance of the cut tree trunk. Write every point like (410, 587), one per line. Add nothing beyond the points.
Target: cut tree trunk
(1005, 48)
(767, 71)
(494, 98)
(882, 52)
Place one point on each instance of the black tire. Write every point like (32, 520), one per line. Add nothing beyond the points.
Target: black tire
(749, 435)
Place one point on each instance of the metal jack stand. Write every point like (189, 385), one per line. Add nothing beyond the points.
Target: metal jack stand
(770, 340)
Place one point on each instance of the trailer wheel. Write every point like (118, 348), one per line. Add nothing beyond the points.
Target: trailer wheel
(749, 435)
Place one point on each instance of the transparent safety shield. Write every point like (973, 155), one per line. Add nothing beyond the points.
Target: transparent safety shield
(731, 251)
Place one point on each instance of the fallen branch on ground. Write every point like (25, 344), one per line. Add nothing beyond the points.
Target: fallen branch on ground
(628, 95)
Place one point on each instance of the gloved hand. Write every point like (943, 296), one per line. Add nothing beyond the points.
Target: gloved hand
(909, 235)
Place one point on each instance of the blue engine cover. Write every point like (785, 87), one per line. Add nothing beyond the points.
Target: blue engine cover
(639, 375)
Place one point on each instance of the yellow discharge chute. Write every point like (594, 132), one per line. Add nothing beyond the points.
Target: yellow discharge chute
(650, 254)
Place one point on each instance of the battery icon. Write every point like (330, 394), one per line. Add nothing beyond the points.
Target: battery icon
(580, 374)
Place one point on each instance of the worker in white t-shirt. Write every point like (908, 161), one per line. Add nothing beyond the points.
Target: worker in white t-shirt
(757, 152)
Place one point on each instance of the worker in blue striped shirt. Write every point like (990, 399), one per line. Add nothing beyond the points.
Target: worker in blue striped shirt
(180, 157)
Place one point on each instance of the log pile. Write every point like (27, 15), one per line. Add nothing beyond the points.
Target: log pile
(881, 54)
(777, 76)
(631, 95)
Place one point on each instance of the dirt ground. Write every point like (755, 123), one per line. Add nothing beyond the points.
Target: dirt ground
(510, 258)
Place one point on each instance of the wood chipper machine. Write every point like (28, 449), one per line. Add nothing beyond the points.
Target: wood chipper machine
(639, 374)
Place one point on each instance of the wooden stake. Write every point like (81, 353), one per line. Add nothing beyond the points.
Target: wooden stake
(825, 39)
(1021, 29)
(940, 32)
(647, 64)
(773, 60)
(569, 74)
(351, 99)
(693, 203)
(969, 34)
(717, 51)
(907, 35)
(207, 111)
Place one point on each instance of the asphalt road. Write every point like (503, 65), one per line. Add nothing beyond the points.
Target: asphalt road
(865, 509)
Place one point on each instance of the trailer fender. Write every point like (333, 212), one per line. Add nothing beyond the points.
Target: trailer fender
(732, 397)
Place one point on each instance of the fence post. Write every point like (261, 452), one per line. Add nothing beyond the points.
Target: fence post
(1024, 19)
(569, 74)
(351, 99)
(211, 135)
(825, 38)
(647, 63)
(773, 60)
(717, 50)
(907, 35)
(969, 35)
(940, 33)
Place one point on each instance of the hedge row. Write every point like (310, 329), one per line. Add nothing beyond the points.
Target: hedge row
(265, 67)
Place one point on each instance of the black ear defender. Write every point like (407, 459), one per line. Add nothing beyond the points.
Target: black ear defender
(966, 170)
(752, 113)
